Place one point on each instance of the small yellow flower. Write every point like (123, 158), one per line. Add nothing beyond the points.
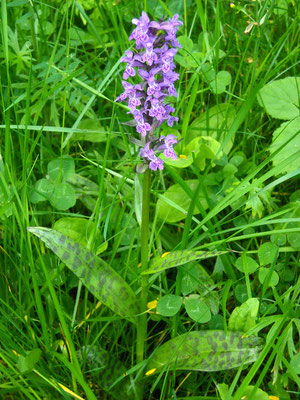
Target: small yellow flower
(151, 371)
(152, 304)
(165, 254)
(182, 156)
(273, 398)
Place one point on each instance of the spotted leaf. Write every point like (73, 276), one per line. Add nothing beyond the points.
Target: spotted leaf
(176, 258)
(99, 278)
(107, 369)
(206, 351)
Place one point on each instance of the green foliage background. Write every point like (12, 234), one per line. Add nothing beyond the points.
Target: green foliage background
(67, 163)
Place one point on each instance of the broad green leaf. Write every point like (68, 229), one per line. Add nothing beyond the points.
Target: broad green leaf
(85, 189)
(243, 317)
(92, 131)
(240, 292)
(206, 351)
(41, 191)
(197, 309)
(203, 147)
(263, 273)
(26, 364)
(190, 278)
(186, 43)
(63, 196)
(187, 60)
(279, 239)
(176, 195)
(80, 229)
(281, 98)
(288, 134)
(266, 253)
(294, 240)
(169, 305)
(215, 123)
(259, 394)
(246, 263)
(295, 363)
(217, 86)
(194, 276)
(224, 77)
(61, 169)
(176, 258)
(183, 160)
(99, 278)
(223, 390)
(208, 72)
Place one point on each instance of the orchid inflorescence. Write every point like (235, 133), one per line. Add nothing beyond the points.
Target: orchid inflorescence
(156, 46)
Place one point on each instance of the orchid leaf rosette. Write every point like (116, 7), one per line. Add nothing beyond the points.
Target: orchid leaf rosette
(152, 63)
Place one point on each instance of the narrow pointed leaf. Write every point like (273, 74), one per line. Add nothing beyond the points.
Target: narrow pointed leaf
(176, 258)
(99, 278)
(206, 351)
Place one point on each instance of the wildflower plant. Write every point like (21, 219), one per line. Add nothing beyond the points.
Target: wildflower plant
(152, 62)
(149, 85)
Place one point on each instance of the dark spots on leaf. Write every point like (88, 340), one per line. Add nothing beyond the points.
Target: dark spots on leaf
(239, 358)
(54, 248)
(88, 255)
(225, 345)
(91, 264)
(92, 289)
(124, 294)
(104, 298)
(102, 280)
(203, 255)
(88, 277)
(240, 343)
(65, 256)
(232, 337)
(214, 346)
(70, 246)
(83, 273)
(77, 249)
(62, 239)
(76, 262)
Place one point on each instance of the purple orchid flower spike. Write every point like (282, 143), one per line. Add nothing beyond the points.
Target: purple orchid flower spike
(156, 46)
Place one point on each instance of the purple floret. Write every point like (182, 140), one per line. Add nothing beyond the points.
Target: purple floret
(169, 142)
(149, 156)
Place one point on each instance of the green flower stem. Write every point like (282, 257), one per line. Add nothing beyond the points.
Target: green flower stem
(142, 322)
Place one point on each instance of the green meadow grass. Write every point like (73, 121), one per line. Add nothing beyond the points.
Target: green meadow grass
(60, 74)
